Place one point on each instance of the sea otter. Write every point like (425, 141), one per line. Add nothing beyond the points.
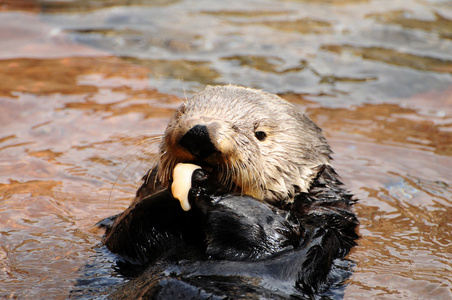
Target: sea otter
(265, 217)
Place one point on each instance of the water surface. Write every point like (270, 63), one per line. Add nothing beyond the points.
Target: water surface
(84, 84)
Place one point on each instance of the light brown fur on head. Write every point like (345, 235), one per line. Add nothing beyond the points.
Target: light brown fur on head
(264, 147)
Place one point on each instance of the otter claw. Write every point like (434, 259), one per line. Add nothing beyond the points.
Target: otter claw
(182, 175)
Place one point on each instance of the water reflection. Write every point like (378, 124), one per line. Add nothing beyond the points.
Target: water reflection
(438, 24)
(394, 57)
(83, 83)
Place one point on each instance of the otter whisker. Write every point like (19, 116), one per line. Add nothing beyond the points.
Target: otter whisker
(137, 148)
(122, 151)
(118, 177)
(153, 162)
(102, 144)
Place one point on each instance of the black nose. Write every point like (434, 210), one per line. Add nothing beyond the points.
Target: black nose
(197, 141)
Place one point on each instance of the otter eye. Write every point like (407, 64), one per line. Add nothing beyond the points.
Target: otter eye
(260, 135)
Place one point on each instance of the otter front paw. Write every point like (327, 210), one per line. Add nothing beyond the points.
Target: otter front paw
(239, 227)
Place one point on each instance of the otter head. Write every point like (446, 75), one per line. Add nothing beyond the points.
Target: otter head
(251, 141)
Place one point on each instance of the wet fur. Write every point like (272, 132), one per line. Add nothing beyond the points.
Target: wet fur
(249, 233)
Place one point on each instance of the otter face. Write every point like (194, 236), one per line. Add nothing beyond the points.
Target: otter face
(252, 142)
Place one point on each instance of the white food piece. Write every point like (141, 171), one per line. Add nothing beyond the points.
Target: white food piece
(182, 183)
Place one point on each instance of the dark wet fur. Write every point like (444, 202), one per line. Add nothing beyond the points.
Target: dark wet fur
(233, 246)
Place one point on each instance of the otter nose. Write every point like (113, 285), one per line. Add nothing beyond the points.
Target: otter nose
(197, 142)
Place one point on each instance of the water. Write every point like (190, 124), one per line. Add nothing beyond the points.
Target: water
(83, 82)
